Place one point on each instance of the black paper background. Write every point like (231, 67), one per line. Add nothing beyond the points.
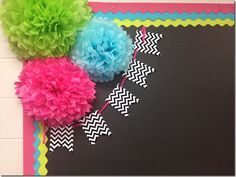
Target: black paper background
(184, 123)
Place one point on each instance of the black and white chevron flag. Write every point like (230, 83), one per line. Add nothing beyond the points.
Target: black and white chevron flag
(94, 126)
(61, 136)
(137, 72)
(150, 43)
(121, 99)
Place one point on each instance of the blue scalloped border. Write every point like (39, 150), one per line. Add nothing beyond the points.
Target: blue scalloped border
(165, 16)
(36, 144)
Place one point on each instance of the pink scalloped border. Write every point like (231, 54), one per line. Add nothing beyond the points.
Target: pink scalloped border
(28, 145)
(161, 7)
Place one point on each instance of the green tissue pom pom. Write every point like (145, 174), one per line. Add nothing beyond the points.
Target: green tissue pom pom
(43, 28)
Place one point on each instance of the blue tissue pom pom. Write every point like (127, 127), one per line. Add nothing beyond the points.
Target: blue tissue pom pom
(103, 49)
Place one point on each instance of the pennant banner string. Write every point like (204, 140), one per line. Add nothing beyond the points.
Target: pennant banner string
(143, 30)
(121, 99)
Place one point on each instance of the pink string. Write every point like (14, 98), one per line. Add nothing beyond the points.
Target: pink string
(123, 81)
(135, 54)
(144, 33)
(143, 30)
(103, 107)
(76, 125)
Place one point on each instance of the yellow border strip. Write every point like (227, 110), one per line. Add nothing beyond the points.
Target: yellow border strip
(43, 150)
(175, 23)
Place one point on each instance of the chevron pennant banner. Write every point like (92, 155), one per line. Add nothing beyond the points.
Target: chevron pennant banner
(94, 126)
(61, 136)
(121, 99)
(137, 72)
(150, 44)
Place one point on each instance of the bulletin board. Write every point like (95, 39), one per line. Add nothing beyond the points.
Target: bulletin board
(183, 123)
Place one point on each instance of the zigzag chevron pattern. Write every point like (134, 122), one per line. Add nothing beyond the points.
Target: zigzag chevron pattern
(61, 136)
(94, 126)
(138, 72)
(121, 99)
(150, 44)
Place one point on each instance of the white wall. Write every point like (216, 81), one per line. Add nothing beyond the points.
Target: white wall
(11, 124)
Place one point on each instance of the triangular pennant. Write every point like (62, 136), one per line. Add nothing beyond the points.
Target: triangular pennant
(137, 72)
(149, 45)
(94, 126)
(121, 99)
(61, 136)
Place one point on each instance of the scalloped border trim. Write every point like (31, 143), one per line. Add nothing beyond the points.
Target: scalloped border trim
(40, 150)
(43, 150)
(165, 16)
(161, 7)
(36, 144)
(175, 23)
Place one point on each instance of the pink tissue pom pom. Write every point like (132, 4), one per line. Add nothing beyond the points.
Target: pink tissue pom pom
(55, 91)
